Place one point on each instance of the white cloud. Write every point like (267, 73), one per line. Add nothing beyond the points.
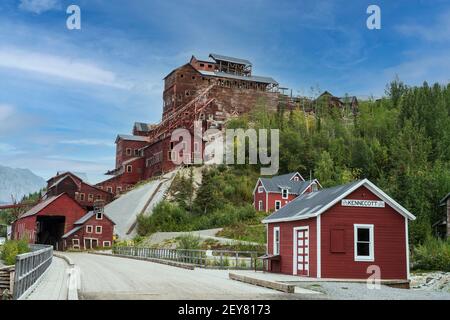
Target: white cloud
(438, 31)
(39, 6)
(6, 111)
(57, 66)
(89, 142)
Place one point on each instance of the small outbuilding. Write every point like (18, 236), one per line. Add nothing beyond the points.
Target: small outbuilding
(344, 232)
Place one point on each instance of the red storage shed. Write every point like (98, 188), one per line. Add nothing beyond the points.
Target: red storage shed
(337, 233)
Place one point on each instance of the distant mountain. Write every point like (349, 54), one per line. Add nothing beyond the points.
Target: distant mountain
(18, 182)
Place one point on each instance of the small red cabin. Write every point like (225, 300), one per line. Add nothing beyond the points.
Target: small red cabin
(274, 193)
(339, 233)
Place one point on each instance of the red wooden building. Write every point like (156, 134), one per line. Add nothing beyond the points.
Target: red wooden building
(274, 193)
(54, 220)
(74, 186)
(339, 232)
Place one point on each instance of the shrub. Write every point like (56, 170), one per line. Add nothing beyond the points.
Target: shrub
(433, 254)
(13, 248)
(188, 242)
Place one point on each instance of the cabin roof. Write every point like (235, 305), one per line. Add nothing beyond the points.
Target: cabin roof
(312, 204)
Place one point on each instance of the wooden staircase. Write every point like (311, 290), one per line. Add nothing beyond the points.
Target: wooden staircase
(5, 279)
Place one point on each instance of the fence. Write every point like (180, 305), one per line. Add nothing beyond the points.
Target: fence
(30, 267)
(220, 259)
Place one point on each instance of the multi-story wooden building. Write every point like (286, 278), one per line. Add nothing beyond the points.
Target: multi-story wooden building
(208, 90)
(79, 190)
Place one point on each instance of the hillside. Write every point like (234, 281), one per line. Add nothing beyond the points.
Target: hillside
(18, 182)
(400, 143)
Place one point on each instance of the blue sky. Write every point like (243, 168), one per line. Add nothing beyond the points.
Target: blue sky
(64, 95)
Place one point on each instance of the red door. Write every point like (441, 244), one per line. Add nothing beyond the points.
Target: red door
(302, 247)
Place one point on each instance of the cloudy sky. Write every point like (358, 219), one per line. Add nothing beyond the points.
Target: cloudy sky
(65, 94)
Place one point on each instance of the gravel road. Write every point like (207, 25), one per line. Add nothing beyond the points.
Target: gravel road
(359, 291)
(105, 277)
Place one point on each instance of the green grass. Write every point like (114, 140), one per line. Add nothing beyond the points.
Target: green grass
(245, 232)
(432, 255)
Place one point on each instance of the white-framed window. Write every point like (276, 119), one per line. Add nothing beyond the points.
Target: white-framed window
(136, 152)
(260, 189)
(76, 243)
(90, 197)
(107, 243)
(276, 241)
(128, 151)
(98, 229)
(285, 193)
(81, 196)
(89, 229)
(314, 187)
(260, 205)
(109, 189)
(296, 178)
(364, 242)
(277, 205)
(129, 168)
(99, 215)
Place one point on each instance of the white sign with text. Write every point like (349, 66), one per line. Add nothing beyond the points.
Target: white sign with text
(362, 203)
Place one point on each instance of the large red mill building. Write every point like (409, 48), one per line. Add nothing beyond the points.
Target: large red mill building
(211, 90)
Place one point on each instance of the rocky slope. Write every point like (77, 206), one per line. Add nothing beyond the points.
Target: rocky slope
(18, 182)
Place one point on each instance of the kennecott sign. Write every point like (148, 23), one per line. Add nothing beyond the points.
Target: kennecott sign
(362, 203)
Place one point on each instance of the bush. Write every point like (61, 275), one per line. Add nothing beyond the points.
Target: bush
(188, 242)
(433, 255)
(13, 248)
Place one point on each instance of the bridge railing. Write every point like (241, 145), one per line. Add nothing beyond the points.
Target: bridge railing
(215, 259)
(30, 267)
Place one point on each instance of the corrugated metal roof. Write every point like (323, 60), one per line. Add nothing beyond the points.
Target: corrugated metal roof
(144, 127)
(131, 137)
(267, 80)
(310, 203)
(85, 218)
(71, 232)
(220, 57)
(39, 207)
(275, 184)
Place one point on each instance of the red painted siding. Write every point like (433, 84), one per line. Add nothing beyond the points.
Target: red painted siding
(287, 244)
(107, 233)
(389, 240)
(338, 261)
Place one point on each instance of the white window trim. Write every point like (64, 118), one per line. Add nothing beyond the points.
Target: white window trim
(91, 228)
(276, 252)
(371, 256)
(279, 202)
(131, 168)
(260, 189)
(106, 242)
(287, 193)
(260, 205)
(98, 232)
(77, 245)
(101, 216)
